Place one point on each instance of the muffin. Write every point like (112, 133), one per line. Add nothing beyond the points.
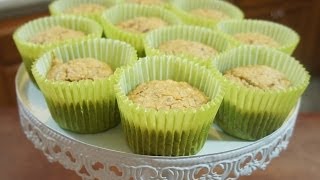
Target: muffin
(259, 32)
(263, 86)
(55, 34)
(85, 8)
(195, 43)
(258, 76)
(256, 39)
(141, 24)
(38, 36)
(147, 2)
(167, 94)
(130, 22)
(210, 14)
(190, 48)
(77, 82)
(164, 110)
(78, 70)
(92, 9)
(205, 13)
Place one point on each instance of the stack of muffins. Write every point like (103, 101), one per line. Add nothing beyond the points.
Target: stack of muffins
(200, 62)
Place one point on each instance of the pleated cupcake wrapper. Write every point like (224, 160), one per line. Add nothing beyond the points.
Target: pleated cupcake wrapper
(125, 12)
(250, 113)
(30, 51)
(182, 8)
(286, 37)
(59, 7)
(218, 41)
(167, 132)
(84, 106)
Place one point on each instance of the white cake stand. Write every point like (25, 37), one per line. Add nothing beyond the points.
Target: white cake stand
(107, 156)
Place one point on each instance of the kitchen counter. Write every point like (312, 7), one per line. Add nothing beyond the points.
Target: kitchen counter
(14, 8)
(19, 160)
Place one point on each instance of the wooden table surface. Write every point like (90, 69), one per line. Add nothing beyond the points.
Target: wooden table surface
(19, 160)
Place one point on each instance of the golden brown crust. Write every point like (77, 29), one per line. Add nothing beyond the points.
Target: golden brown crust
(79, 69)
(147, 2)
(190, 48)
(256, 39)
(86, 8)
(55, 34)
(210, 13)
(167, 94)
(258, 76)
(142, 24)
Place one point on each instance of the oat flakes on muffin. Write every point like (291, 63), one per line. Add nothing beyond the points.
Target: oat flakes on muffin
(147, 2)
(86, 8)
(258, 76)
(192, 48)
(142, 24)
(210, 13)
(256, 39)
(79, 69)
(55, 34)
(167, 94)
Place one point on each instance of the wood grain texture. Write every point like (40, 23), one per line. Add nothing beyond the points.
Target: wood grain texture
(19, 160)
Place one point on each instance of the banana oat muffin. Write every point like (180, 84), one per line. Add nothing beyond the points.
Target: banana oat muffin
(79, 69)
(167, 94)
(142, 24)
(256, 39)
(55, 34)
(147, 2)
(210, 13)
(86, 8)
(186, 47)
(258, 76)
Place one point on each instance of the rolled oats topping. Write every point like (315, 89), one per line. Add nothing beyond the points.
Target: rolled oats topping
(56, 34)
(256, 39)
(186, 47)
(258, 76)
(210, 13)
(167, 94)
(142, 24)
(79, 69)
(86, 8)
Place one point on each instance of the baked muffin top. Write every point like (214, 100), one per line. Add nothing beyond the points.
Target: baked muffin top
(147, 2)
(79, 69)
(210, 13)
(167, 94)
(86, 8)
(258, 76)
(55, 34)
(142, 24)
(256, 39)
(191, 48)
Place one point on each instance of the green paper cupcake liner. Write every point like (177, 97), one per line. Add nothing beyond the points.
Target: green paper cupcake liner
(167, 132)
(182, 8)
(59, 7)
(30, 51)
(124, 12)
(286, 37)
(85, 106)
(205, 36)
(250, 113)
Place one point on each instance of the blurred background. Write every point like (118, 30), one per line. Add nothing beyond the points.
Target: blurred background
(302, 16)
